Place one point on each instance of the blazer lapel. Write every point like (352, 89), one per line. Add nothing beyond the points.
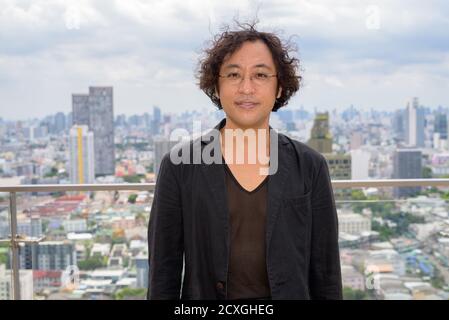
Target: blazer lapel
(276, 181)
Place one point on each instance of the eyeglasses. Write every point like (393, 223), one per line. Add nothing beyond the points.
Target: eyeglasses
(258, 78)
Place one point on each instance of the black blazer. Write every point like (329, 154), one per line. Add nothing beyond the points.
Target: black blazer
(189, 220)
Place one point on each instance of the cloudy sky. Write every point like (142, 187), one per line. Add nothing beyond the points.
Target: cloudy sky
(367, 53)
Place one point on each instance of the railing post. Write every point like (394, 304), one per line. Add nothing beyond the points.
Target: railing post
(14, 245)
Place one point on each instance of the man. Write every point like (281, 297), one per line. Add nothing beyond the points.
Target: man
(245, 229)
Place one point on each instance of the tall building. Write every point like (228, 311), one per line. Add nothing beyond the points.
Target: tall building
(142, 271)
(26, 284)
(360, 160)
(82, 156)
(162, 145)
(60, 120)
(96, 111)
(399, 124)
(285, 115)
(80, 109)
(339, 166)
(440, 125)
(414, 124)
(407, 164)
(356, 140)
(147, 120)
(47, 255)
(321, 138)
(68, 121)
(321, 141)
(120, 120)
(156, 122)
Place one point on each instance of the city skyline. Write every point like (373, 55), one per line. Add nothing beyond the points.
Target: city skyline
(311, 111)
(371, 56)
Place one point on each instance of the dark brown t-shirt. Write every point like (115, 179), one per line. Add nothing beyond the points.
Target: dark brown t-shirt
(247, 274)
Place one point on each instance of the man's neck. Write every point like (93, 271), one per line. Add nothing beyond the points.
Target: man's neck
(255, 139)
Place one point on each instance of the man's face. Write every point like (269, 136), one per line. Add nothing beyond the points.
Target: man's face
(248, 102)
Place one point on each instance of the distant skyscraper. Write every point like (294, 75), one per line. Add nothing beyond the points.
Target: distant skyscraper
(69, 121)
(441, 125)
(96, 111)
(356, 140)
(80, 109)
(162, 145)
(82, 156)
(157, 114)
(399, 124)
(414, 124)
(156, 123)
(321, 138)
(321, 141)
(360, 164)
(285, 115)
(147, 120)
(60, 120)
(407, 164)
(120, 120)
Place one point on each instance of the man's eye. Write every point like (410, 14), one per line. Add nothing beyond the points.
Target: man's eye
(233, 75)
(261, 76)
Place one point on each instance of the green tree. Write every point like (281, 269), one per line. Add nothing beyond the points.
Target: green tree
(45, 224)
(437, 280)
(3, 258)
(385, 233)
(132, 198)
(426, 173)
(52, 173)
(130, 293)
(125, 262)
(92, 263)
(352, 294)
(133, 179)
(358, 195)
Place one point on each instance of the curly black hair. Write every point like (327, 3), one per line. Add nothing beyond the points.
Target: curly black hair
(227, 42)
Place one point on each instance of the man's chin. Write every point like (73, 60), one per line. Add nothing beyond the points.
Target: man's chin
(249, 121)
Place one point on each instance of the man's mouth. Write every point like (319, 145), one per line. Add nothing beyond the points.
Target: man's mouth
(246, 104)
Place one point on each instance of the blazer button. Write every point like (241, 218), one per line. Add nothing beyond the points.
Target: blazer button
(220, 285)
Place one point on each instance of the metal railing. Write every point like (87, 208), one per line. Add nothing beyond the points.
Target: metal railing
(16, 239)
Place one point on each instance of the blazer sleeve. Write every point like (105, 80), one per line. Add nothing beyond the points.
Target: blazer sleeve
(165, 236)
(325, 272)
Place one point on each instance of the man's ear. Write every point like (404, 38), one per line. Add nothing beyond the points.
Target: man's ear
(279, 93)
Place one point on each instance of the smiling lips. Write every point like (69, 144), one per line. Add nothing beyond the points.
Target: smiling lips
(246, 104)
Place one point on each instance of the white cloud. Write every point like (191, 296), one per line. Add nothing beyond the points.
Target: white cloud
(148, 50)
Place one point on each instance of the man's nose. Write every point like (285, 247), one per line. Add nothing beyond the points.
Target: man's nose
(246, 85)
